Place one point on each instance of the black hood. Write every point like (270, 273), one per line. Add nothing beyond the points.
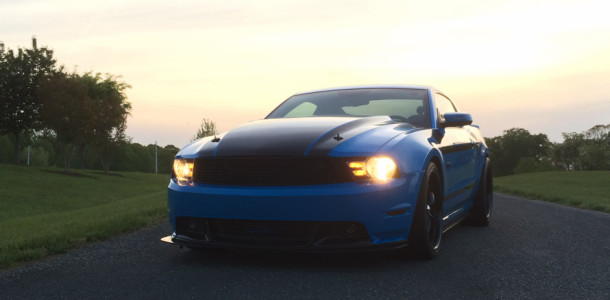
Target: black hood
(289, 137)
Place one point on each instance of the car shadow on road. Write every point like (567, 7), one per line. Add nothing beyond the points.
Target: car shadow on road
(345, 261)
(290, 260)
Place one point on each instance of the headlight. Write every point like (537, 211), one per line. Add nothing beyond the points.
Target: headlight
(382, 168)
(379, 168)
(183, 171)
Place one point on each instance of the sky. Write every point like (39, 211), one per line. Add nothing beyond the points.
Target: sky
(539, 65)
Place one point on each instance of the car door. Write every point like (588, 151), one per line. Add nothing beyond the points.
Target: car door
(459, 151)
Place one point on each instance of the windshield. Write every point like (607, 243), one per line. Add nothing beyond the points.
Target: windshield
(401, 104)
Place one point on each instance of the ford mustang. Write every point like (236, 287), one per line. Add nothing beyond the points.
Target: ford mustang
(353, 168)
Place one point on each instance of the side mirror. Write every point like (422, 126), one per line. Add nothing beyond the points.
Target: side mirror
(456, 119)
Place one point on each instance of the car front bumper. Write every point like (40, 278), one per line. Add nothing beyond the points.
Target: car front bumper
(334, 217)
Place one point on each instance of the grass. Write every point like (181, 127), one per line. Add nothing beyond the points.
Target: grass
(582, 189)
(43, 213)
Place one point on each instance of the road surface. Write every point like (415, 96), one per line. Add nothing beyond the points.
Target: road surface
(532, 249)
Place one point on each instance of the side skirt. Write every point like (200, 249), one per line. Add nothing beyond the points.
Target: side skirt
(454, 218)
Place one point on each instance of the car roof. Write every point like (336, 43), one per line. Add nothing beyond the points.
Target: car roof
(395, 86)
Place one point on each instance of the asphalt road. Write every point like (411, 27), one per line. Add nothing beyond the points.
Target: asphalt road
(532, 249)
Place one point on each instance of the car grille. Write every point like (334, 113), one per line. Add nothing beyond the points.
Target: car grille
(271, 171)
(272, 233)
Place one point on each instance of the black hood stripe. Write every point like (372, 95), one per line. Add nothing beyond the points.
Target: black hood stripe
(290, 137)
(326, 142)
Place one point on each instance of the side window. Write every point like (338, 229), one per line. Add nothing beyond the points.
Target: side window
(443, 105)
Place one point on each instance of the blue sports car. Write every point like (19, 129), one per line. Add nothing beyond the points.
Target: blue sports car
(353, 168)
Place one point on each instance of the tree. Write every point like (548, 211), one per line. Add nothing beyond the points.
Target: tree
(86, 110)
(109, 119)
(596, 153)
(207, 128)
(166, 158)
(6, 148)
(67, 111)
(598, 133)
(515, 144)
(584, 151)
(138, 158)
(21, 73)
(568, 155)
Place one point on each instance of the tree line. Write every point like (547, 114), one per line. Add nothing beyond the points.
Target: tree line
(40, 101)
(79, 120)
(41, 149)
(519, 151)
(129, 157)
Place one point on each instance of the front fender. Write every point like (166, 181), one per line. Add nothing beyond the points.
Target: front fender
(413, 151)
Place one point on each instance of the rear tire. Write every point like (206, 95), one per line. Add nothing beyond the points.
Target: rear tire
(483, 200)
(426, 230)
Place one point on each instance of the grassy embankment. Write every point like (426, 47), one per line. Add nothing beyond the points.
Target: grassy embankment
(583, 189)
(44, 213)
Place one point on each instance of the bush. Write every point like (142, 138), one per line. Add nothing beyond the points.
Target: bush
(39, 156)
(530, 165)
(525, 165)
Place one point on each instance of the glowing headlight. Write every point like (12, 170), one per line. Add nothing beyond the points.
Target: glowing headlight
(183, 170)
(380, 168)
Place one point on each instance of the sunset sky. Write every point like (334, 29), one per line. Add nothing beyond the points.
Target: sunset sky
(539, 65)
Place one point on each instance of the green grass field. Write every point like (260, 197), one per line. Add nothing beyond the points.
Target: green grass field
(44, 213)
(583, 189)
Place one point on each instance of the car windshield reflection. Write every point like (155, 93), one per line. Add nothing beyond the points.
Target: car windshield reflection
(400, 104)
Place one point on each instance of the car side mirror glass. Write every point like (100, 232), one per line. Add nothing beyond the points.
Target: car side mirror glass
(456, 119)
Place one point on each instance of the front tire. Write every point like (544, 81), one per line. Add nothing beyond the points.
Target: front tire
(426, 230)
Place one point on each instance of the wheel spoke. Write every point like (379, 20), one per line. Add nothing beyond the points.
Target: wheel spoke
(430, 218)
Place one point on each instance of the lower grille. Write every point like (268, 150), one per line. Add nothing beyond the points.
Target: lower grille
(271, 171)
(273, 233)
